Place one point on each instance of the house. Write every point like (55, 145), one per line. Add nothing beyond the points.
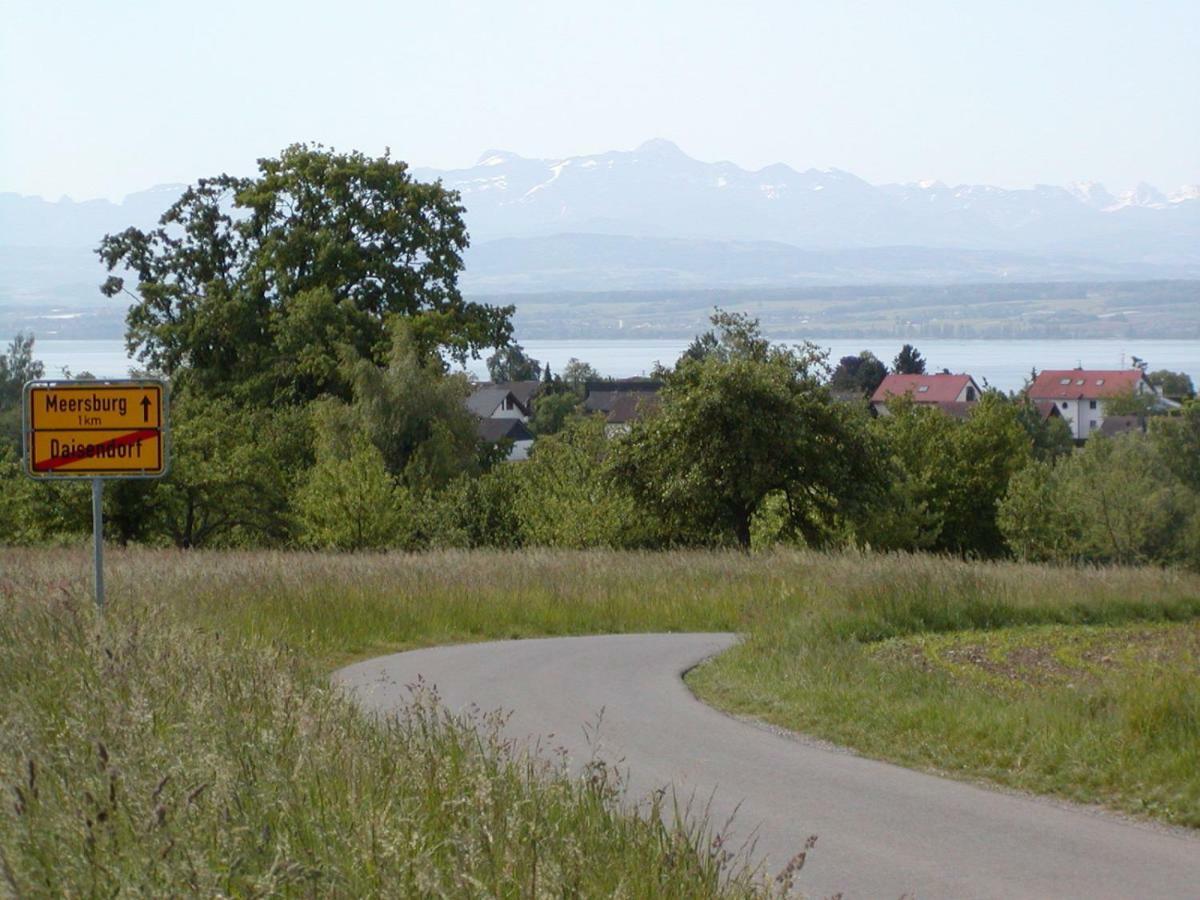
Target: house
(621, 401)
(954, 395)
(628, 408)
(495, 430)
(1080, 394)
(498, 401)
(502, 411)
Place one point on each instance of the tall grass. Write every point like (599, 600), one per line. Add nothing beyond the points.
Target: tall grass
(160, 750)
(189, 741)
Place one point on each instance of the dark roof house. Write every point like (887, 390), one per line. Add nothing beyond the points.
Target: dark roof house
(493, 430)
(488, 399)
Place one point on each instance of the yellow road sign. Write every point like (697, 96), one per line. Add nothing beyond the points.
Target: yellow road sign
(137, 406)
(111, 429)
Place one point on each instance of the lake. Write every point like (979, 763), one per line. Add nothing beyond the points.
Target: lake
(1005, 364)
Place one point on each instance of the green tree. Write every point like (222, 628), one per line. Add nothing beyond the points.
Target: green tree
(576, 374)
(909, 361)
(1049, 436)
(1131, 403)
(551, 410)
(1176, 385)
(17, 366)
(233, 472)
(412, 411)
(511, 363)
(256, 287)
(860, 374)
(737, 424)
(476, 511)
(567, 496)
(954, 473)
(35, 511)
(352, 502)
(1177, 439)
(1112, 502)
(1034, 516)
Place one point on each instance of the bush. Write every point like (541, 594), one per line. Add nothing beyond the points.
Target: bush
(567, 497)
(353, 503)
(1113, 501)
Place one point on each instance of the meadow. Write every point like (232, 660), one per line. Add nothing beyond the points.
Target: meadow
(189, 741)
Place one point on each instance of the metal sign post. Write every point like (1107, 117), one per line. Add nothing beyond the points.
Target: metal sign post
(98, 538)
(92, 431)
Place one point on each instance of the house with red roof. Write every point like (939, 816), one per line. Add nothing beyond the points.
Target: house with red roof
(953, 394)
(1080, 394)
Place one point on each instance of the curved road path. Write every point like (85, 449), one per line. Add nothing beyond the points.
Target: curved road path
(883, 830)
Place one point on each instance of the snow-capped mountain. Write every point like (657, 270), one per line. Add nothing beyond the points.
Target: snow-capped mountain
(653, 217)
(656, 190)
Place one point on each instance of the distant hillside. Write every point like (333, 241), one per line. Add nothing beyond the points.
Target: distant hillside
(598, 262)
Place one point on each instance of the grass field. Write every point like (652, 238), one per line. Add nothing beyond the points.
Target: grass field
(189, 741)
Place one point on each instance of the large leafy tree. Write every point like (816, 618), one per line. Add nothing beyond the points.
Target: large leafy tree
(257, 286)
(512, 363)
(741, 420)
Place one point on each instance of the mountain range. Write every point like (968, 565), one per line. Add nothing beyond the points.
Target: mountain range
(654, 218)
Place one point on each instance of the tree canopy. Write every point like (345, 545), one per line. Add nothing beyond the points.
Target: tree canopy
(909, 361)
(511, 363)
(17, 366)
(257, 286)
(740, 421)
(860, 374)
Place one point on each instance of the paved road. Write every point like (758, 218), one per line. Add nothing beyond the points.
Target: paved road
(883, 830)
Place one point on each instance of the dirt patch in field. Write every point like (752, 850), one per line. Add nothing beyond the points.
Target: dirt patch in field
(1072, 656)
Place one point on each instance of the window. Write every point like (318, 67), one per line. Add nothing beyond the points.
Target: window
(1065, 381)
(508, 402)
(922, 388)
(970, 394)
(1064, 404)
(1099, 381)
(1091, 404)
(1081, 382)
(1092, 423)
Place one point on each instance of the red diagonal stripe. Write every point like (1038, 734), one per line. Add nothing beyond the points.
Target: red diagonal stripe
(57, 462)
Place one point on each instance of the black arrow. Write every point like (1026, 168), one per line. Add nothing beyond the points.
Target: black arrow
(145, 409)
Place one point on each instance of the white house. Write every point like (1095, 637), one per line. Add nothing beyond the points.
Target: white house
(1080, 394)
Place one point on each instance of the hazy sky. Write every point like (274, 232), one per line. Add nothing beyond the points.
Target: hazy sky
(104, 98)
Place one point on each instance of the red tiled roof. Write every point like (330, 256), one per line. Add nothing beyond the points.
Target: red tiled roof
(1047, 408)
(1084, 384)
(939, 388)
